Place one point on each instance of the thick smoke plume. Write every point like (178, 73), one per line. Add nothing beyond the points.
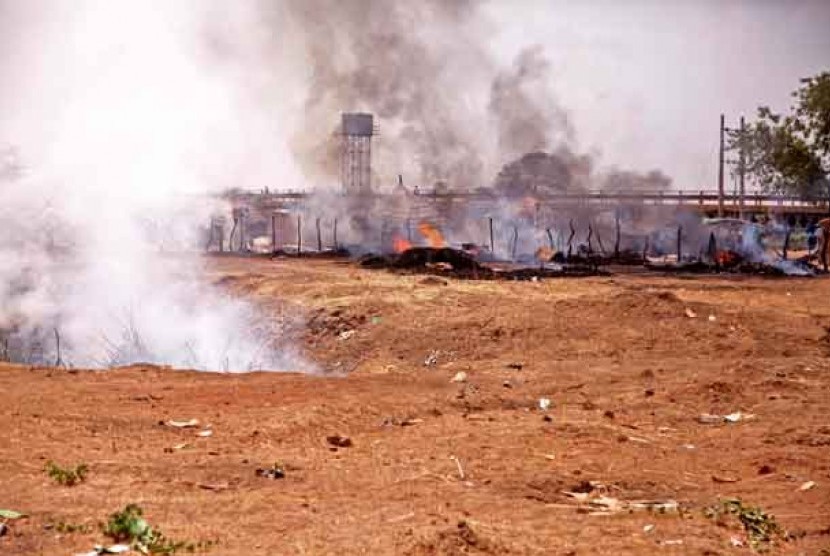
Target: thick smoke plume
(116, 130)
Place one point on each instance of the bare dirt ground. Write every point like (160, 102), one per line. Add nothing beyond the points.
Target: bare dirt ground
(441, 467)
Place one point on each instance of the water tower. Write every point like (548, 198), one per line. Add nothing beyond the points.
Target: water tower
(357, 130)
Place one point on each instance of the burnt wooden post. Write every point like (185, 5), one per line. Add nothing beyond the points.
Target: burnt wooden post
(550, 239)
(299, 234)
(336, 245)
(590, 235)
(679, 243)
(571, 237)
(712, 249)
(58, 360)
(492, 243)
(233, 231)
(825, 236)
(786, 241)
(645, 250)
(515, 242)
(242, 233)
(599, 242)
(616, 233)
(273, 233)
(319, 236)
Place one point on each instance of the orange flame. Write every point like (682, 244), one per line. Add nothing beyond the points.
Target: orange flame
(726, 258)
(544, 253)
(400, 244)
(432, 235)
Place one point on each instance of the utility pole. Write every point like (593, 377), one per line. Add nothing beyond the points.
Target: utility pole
(742, 168)
(720, 168)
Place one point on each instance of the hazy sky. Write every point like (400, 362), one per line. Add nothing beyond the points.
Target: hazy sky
(643, 81)
(647, 80)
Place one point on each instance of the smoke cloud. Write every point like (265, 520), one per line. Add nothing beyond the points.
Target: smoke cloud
(116, 129)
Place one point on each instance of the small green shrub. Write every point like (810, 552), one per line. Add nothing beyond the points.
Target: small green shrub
(761, 527)
(68, 476)
(129, 526)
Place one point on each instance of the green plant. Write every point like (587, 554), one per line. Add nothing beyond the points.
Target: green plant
(68, 476)
(129, 526)
(761, 527)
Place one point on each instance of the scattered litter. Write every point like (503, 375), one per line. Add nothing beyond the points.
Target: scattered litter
(11, 514)
(515, 366)
(400, 518)
(809, 485)
(639, 439)
(457, 461)
(205, 433)
(547, 419)
(604, 505)
(460, 376)
(432, 359)
(673, 542)
(691, 314)
(376, 320)
(724, 479)
(688, 446)
(549, 456)
(648, 528)
(659, 506)
(712, 318)
(182, 446)
(709, 419)
(507, 384)
(395, 422)
(183, 424)
(544, 404)
(214, 487)
(339, 441)
(736, 542)
(275, 472)
(737, 416)
(114, 549)
(346, 334)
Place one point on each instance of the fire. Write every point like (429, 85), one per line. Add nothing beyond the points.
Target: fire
(544, 253)
(726, 258)
(400, 244)
(432, 235)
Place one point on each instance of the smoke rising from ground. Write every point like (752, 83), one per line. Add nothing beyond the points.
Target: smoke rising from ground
(119, 127)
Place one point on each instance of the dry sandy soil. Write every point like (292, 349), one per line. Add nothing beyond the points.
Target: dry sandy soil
(441, 467)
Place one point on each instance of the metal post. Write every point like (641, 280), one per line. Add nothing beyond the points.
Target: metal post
(679, 243)
(720, 167)
(492, 244)
(299, 234)
(742, 168)
(319, 236)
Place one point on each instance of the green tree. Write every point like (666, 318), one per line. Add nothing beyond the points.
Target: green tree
(791, 153)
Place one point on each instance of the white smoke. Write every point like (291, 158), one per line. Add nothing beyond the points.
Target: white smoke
(117, 123)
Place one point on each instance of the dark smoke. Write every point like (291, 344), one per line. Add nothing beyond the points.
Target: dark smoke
(521, 102)
(416, 65)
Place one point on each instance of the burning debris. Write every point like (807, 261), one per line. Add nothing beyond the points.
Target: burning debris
(456, 263)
